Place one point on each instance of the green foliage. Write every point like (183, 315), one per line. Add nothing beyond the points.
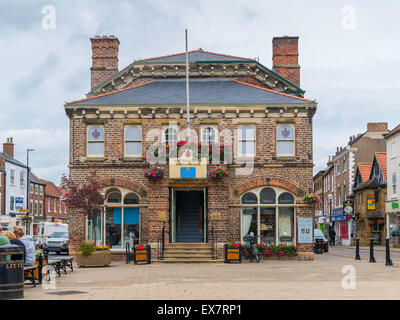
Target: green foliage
(86, 249)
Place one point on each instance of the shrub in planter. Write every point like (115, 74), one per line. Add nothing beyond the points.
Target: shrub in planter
(90, 255)
(233, 252)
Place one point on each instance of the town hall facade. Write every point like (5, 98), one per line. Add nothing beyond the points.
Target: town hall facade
(255, 119)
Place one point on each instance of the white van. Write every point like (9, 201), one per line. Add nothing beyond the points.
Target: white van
(45, 229)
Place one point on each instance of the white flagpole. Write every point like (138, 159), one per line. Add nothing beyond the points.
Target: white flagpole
(187, 88)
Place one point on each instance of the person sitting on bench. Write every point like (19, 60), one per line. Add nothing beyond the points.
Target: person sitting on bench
(30, 251)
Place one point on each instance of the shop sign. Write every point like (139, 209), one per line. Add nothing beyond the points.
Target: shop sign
(305, 228)
(395, 205)
(348, 207)
(337, 212)
(339, 218)
(318, 213)
(321, 220)
(371, 204)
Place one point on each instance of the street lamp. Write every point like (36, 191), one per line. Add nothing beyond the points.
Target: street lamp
(27, 189)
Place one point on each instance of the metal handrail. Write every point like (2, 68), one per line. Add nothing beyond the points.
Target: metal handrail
(161, 243)
(214, 244)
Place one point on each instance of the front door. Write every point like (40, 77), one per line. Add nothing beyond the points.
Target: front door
(188, 222)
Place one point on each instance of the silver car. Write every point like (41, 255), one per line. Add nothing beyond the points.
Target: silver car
(57, 242)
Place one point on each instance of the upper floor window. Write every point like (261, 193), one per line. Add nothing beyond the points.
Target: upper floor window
(48, 205)
(344, 165)
(41, 190)
(55, 205)
(338, 169)
(133, 141)
(247, 141)
(208, 136)
(12, 176)
(95, 142)
(394, 183)
(21, 178)
(171, 135)
(285, 141)
(31, 188)
(11, 203)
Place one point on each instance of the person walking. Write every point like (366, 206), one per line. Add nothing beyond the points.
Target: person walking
(332, 236)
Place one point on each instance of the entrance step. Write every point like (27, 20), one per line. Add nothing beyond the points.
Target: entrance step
(182, 252)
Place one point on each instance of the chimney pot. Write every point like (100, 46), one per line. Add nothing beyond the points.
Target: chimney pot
(8, 147)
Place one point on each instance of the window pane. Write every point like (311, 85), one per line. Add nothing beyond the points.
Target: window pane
(249, 198)
(249, 221)
(208, 136)
(267, 196)
(133, 148)
(285, 231)
(95, 133)
(114, 197)
(285, 147)
(133, 133)
(246, 148)
(131, 198)
(99, 230)
(131, 226)
(171, 136)
(286, 198)
(267, 225)
(246, 133)
(96, 148)
(113, 228)
(285, 133)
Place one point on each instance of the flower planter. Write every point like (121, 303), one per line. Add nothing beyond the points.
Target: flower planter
(275, 257)
(142, 255)
(233, 254)
(95, 259)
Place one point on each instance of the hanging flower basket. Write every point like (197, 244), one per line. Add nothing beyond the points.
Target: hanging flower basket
(25, 218)
(218, 173)
(312, 198)
(154, 173)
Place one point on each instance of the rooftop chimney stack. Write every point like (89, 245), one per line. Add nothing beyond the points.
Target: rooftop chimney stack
(104, 58)
(8, 147)
(377, 127)
(285, 54)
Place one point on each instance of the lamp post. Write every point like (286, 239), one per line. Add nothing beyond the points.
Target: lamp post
(27, 190)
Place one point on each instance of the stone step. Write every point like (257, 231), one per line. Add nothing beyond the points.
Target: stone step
(186, 256)
(188, 250)
(188, 245)
(170, 260)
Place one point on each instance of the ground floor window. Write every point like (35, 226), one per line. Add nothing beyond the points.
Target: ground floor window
(269, 214)
(119, 221)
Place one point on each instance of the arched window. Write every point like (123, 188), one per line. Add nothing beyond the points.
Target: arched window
(131, 198)
(286, 198)
(249, 198)
(133, 141)
(114, 196)
(285, 141)
(171, 135)
(95, 142)
(208, 136)
(267, 196)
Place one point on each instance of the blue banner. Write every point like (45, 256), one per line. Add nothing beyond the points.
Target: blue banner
(339, 218)
(337, 212)
(188, 172)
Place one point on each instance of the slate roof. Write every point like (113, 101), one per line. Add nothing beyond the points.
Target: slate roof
(194, 56)
(34, 179)
(202, 91)
(7, 158)
(393, 132)
(365, 170)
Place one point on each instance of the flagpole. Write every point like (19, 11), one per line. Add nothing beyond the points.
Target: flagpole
(187, 88)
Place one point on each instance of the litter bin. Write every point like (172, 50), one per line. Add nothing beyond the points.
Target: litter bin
(11, 272)
(319, 246)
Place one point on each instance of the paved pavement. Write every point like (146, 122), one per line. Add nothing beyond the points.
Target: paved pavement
(318, 279)
(379, 253)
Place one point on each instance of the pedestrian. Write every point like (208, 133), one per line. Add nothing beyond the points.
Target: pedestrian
(13, 240)
(30, 250)
(332, 236)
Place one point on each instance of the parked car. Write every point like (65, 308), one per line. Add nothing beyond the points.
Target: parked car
(318, 234)
(57, 242)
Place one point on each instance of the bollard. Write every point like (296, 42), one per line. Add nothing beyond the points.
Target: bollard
(358, 249)
(371, 251)
(388, 260)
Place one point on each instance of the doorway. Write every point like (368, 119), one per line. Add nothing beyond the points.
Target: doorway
(188, 223)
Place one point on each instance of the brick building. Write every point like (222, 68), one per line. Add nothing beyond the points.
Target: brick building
(261, 113)
(318, 188)
(36, 200)
(55, 208)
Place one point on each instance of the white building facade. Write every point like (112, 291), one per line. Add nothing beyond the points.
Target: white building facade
(393, 176)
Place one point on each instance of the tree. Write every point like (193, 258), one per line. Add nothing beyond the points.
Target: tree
(87, 196)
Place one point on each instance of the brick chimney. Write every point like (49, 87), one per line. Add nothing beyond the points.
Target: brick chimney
(377, 127)
(8, 147)
(104, 58)
(285, 54)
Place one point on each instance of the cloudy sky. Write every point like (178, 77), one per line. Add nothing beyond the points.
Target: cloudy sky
(349, 57)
